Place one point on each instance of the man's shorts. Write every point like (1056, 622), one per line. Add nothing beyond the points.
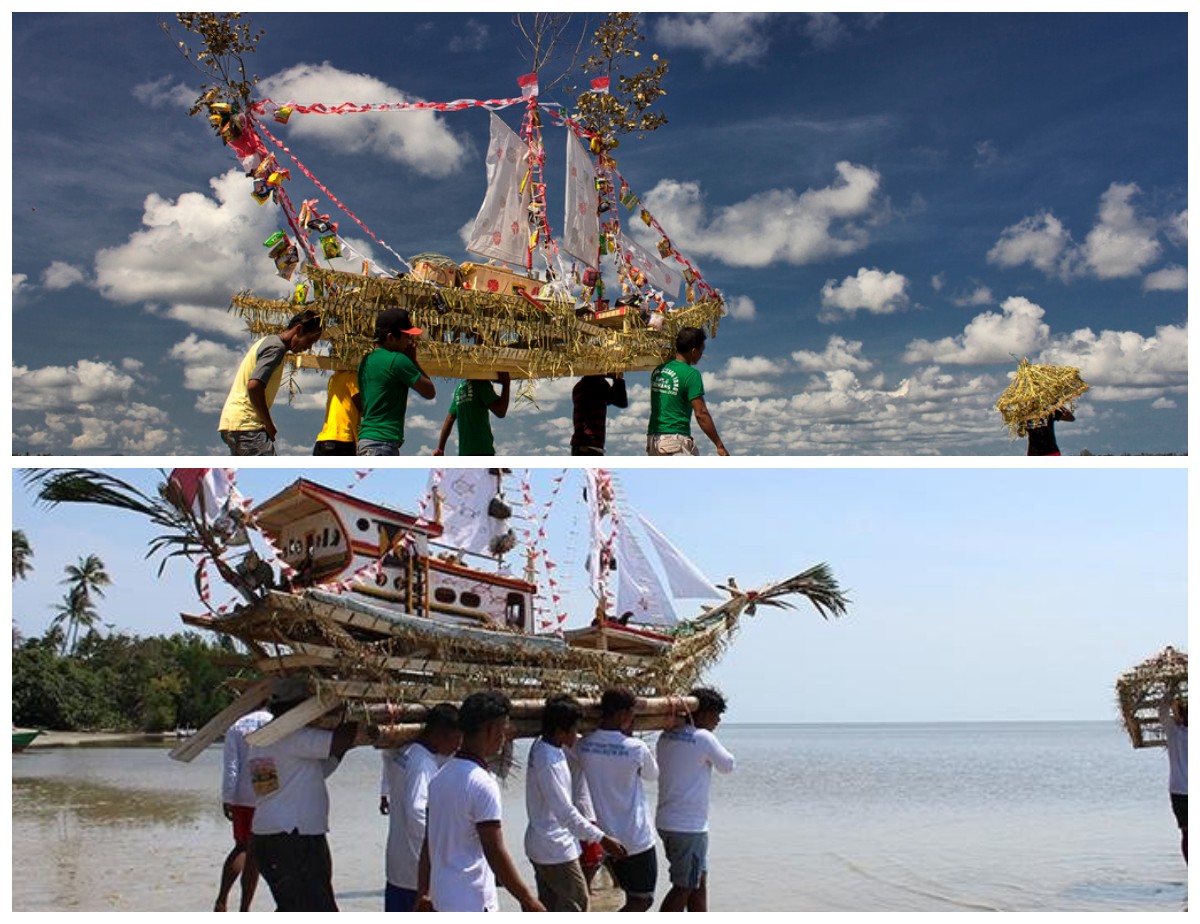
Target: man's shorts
(687, 854)
(636, 875)
(1179, 807)
(398, 899)
(670, 444)
(243, 816)
(378, 448)
(248, 442)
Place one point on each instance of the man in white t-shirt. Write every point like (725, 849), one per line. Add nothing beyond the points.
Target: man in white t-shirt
(404, 799)
(464, 853)
(237, 802)
(556, 826)
(687, 757)
(615, 765)
(291, 813)
(1174, 722)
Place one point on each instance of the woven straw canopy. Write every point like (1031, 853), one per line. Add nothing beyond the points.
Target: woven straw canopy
(1144, 689)
(1036, 392)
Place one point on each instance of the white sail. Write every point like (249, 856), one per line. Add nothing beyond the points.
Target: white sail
(465, 495)
(501, 228)
(660, 275)
(685, 578)
(581, 222)
(639, 591)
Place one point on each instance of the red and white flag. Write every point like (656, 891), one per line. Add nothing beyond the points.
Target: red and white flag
(529, 85)
(206, 491)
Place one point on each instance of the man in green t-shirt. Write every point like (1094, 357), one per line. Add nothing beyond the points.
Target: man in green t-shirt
(676, 392)
(473, 400)
(384, 377)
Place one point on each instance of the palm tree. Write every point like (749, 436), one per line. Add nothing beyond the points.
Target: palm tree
(22, 553)
(76, 610)
(84, 580)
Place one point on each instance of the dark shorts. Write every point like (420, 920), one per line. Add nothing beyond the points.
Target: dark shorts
(334, 448)
(298, 870)
(398, 899)
(1179, 807)
(687, 857)
(636, 875)
(243, 818)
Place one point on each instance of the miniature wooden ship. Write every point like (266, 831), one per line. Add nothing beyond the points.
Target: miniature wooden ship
(381, 617)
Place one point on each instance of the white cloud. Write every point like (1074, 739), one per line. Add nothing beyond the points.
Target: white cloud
(776, 225)
(986, 153)
(165, 92)
(988, 338)
(212, 320)
(1177, 228)
(981, 296)
(208, 368)
(938, 282)
(473, 37)
(1124, 365)
(824, 29)
(741, 307)
(55, 387)
(721, 38)
(1167, 279)
(194, 249)
(1122, 243)
(1163, 404)
(839, 353)
(748, 367)
(872, 290)
(1040, 240)
(18, 282)
(60, 275)
(418, 139)
(129, 364)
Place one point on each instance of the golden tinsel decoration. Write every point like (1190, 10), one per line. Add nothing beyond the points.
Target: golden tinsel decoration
(1035, 393)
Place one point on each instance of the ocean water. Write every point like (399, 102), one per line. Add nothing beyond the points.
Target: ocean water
(937, 817)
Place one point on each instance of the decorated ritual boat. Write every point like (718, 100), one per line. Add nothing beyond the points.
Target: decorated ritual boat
(386, 612)
(593, 301)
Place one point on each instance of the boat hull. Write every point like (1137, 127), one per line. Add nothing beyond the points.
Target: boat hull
(22, 738)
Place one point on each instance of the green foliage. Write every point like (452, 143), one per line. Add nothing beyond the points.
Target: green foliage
(217, 44)
(120, 682)
(627, 106)
(22, 552)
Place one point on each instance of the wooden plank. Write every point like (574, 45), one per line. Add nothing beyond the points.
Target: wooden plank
(294, 719)
(214, 728)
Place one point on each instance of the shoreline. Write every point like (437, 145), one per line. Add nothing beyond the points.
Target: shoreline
(62, 739)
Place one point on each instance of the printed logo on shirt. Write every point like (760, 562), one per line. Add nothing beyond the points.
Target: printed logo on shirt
(666, 382)
(263, 776)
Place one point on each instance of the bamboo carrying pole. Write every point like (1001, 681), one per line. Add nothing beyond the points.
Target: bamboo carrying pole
(653, 714)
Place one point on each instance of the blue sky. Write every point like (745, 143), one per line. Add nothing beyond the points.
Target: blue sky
(977, 593)
(894, 205)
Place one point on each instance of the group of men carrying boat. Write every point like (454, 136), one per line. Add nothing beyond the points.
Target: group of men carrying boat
(365, 410)
(445, 845)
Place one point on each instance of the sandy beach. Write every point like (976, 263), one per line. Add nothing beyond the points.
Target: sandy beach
(62, 739)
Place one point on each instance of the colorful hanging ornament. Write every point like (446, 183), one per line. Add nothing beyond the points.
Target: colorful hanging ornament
(647, 219)
(283, 113)
(331, 246)
(664, 248)
(300, 295)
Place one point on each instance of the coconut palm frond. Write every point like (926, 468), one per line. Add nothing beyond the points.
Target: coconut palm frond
(87, 486)
(817, 584)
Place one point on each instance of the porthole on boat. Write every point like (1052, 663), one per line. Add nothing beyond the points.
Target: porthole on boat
(470, 600)
(362, 525)
(444, 595)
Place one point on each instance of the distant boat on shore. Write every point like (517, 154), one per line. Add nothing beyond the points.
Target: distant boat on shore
(23, 737)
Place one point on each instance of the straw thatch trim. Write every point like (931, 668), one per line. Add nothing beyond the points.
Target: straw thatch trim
(476, 334)
(1035, 393)
(1144, 689)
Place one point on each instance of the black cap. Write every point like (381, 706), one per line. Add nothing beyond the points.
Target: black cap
(394, 321)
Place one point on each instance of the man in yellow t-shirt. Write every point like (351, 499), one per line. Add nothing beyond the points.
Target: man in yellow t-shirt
(343, 413)
(246, 425)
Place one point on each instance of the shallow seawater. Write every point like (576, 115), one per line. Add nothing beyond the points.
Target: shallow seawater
(939, 817)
